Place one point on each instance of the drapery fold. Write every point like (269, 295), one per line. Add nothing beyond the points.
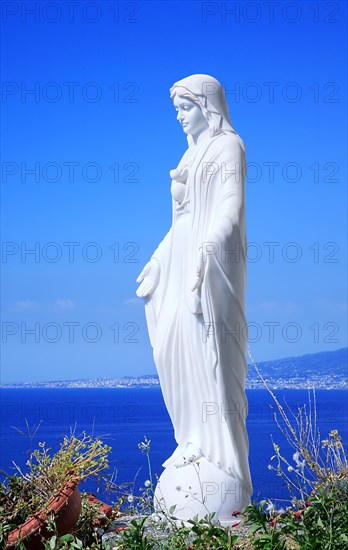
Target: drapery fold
(199, 338)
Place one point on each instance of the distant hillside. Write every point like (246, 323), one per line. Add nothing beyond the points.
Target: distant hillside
(323, 369)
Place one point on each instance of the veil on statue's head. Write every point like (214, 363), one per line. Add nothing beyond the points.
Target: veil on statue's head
(208, 93)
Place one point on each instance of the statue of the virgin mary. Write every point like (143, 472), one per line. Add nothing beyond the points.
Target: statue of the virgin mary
(194, 290)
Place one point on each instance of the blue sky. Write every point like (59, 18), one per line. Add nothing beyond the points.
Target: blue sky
(86, 160)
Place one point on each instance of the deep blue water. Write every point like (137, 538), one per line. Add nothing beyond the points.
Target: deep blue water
(121, 417)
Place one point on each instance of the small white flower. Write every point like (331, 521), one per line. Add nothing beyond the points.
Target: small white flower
(147, 483)
(130, 498)
(290, 469)
(270, 466)
(301, 465)
(295, 456)
(270, 507)
(281, 511)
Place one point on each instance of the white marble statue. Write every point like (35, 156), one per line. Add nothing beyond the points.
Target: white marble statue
(194, 290)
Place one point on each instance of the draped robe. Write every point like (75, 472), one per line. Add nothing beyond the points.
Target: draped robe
(199, 337)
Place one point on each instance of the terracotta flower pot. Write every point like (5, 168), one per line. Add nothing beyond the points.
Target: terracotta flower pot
(105, 511)
(65, 508)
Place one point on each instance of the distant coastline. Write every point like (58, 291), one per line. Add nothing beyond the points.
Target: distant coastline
(323, 370)
(88, 384)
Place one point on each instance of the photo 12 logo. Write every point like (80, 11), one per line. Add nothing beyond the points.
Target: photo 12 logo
(70, 11)
(70, 92)
(271, 11)
(53, 332)
(53, 252)
(70, 171)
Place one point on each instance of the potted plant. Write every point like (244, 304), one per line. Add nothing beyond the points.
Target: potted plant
(46, 499)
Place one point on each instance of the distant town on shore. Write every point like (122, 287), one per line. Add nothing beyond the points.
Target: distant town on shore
(323, 370)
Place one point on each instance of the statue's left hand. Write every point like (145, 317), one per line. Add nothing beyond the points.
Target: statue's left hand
(149, 276)
(200, 271)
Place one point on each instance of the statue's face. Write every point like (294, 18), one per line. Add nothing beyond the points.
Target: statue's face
(190, 115)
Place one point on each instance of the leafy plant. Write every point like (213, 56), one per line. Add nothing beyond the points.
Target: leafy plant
(24, 494)
(134, 537)
(317, 480)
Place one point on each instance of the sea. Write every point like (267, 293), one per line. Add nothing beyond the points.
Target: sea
(123, 417)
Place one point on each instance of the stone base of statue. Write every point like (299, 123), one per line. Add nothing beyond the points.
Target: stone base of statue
(199, 488)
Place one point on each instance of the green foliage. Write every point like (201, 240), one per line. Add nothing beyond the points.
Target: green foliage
(210, 535)
(322, 523)
(65, 542)
(198, 534)
(134, 537)
(24, 494)
(81, 457)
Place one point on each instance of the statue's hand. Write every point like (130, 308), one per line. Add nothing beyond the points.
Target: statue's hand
(149, 276)
(197, 283)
